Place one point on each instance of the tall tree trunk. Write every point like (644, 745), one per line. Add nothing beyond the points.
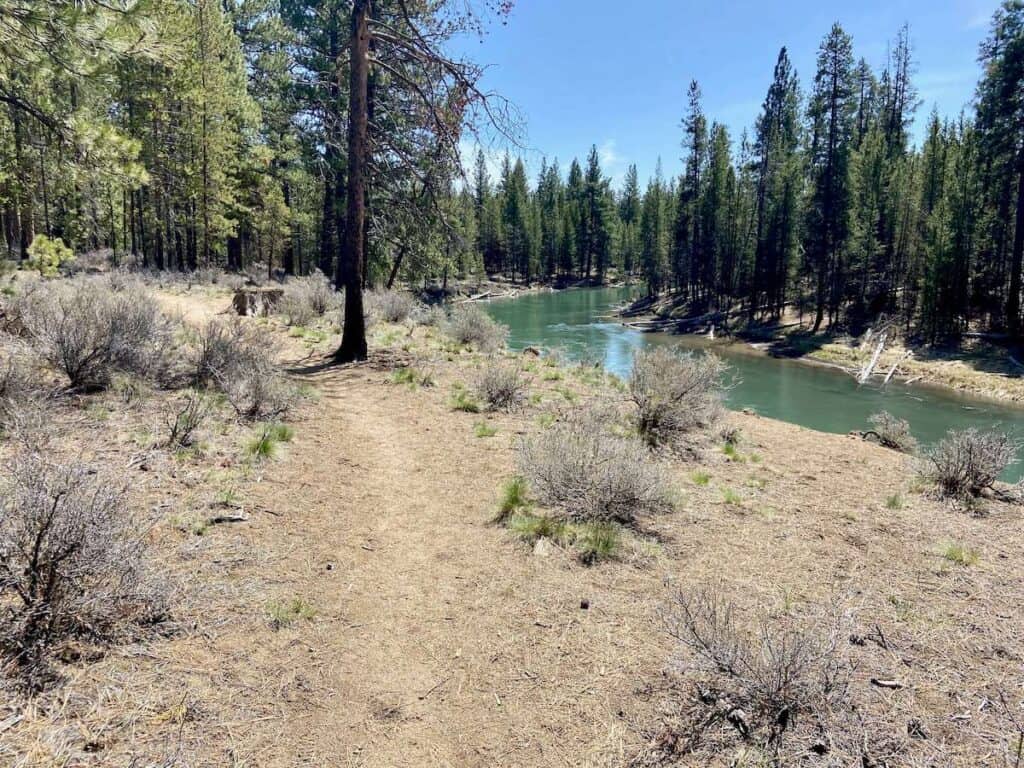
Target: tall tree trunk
(288, 257)
(350, 264)
(396, 266)
(1017, 260)
(329, 224)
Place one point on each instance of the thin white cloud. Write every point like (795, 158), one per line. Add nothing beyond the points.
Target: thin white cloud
(612, 163)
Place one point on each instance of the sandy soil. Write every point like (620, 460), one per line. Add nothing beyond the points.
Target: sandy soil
(430, 637)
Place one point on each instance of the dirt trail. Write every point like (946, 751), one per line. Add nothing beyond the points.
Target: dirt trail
(433, 644)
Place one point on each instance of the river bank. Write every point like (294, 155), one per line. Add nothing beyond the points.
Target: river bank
(977, 367)
(362, 607)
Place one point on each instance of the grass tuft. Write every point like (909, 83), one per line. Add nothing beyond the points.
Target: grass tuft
(483, 429)
(266, 441)
(513, 498)
(284, 613)
(700, 478)
(961, 555)
(462, 400)
(729, 496)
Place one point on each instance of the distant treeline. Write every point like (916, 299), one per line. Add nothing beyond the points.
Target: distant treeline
(189, 133)
(825, 205)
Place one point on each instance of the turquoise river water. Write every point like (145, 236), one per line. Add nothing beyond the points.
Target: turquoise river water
(581, 324)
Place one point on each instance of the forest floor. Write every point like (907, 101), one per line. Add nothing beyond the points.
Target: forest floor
(977, 366)
(367, 612)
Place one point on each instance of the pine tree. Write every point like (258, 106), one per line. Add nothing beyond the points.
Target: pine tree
(776, 146)
(1001, 133)
(831, 112)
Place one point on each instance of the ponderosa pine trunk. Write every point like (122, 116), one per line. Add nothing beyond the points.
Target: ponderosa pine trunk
(350, 263)
(1017, 258)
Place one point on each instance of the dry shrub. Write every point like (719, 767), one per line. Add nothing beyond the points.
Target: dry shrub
(223, 347)
(19, 380)
(891, 432)
(307, 298)
(258, 393)
(184, 420)
(675, 392)
(777, 691)
(469, 324)
(89, 331)
(967, 463)
(70, 561)
(238, 359)
(430, 315)
(501, 385)
(390, 306)
(588, 474)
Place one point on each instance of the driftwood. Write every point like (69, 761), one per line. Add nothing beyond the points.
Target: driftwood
(489, 295)
(253, 302)
(869, 368)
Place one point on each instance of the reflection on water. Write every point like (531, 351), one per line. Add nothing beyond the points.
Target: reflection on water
(580, 323)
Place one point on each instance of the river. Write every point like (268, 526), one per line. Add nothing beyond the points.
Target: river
(580, 323)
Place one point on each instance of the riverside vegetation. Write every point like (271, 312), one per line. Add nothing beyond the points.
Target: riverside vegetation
(647, 480)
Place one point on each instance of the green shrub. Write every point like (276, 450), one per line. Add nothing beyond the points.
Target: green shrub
(46, 255)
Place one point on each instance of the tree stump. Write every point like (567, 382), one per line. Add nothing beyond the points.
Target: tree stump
(255, 301)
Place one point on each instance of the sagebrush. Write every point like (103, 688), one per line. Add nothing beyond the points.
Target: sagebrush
(586, 473)
(390, 306)
(308, 298)
(469, 324)
(967, 463)
(71, 560)
(238, 359)
(891, 432)
(775, 689)
(501, 385)
(89, 331)
(674, 393)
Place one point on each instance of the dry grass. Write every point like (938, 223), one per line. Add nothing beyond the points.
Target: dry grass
(439, 639)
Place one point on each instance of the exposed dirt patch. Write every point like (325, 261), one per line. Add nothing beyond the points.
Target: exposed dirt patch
(417, 633)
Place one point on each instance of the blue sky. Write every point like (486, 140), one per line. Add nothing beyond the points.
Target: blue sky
(587, 72)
